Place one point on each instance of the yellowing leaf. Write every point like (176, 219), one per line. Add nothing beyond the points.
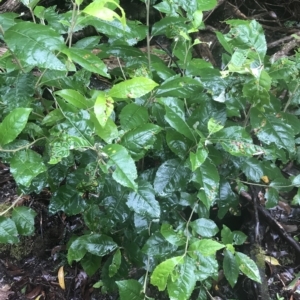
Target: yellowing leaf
(61, 277)
(271, 260)
(265, 179)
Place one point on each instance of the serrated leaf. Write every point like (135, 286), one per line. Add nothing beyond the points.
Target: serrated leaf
(271, 128)
(137, 141)
(175, 116)
(163, 271)
(26, 165)
(171, 176)
(125, 170)
(248, 266)
(130, 290)
(13, 124)
(143, 201)
(206, 247)
(133, 116)
(24, 219)
(230, 268)
(205, 227)
(103, 108)
(208, 177)
(87, 60)
(133, 88)
(35, 45)
(8, 231)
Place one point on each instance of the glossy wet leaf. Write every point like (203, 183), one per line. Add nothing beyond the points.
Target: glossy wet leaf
(24, 219)
(230, 267)
(103, 108)
(248, 266)
(133, 116)
(26, 165)
(130, 289)
(206, 247)
(205, 227)
(13, 124)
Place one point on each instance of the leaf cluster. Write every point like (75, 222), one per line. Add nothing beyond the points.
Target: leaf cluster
(145, 160)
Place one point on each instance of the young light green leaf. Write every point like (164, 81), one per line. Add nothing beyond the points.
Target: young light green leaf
(213, 126)
(109, 132)
(13, 124)
(8, 231)
(34, 44)
(205, 227)
(125, 170)
(26, 165)
(248, 266)
(130, 289)
(206, 247)
(103, 108)
(24, 219)
(198, 158)
(182, 286)
(74, 97)
(143, 201)
(133, 116)
(133, 88)
(163, 271)
(230, 268)
(87, 60)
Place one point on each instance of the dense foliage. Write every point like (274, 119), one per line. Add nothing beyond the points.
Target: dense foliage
(144, 159)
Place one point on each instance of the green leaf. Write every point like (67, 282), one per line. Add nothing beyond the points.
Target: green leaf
(227, 235)
(198, 158)
(248, 266)
(133, 116)
(133, 88)
(76, 250)
(206, 247)
(272, 196)
(68, 200)
(296, 199)
(24, 219)
(87, 60)
(75, 98)
(237, 141)
(239, 238)
(166, 23)
(252, 169)
(13, 124)
(205, 227)
(8, 231)
(143, 201)
(137, 141)
(130, 290)
(103, 108)
(91, 263)
(270, 128)
(230, 267)
(175, 116)
(115, 264)
(178, 143)
(173, 237)
(109, 132)
(184, 284)
(163, 271)
(26, 165)
(171, 176)
(205, 5)
(207, 176)
(99, 244)
(213, 126)
(125, 170)
(35, 45)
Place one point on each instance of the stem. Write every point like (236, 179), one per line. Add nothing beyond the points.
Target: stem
(147, 3)
(12, 205)
(21, 148)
